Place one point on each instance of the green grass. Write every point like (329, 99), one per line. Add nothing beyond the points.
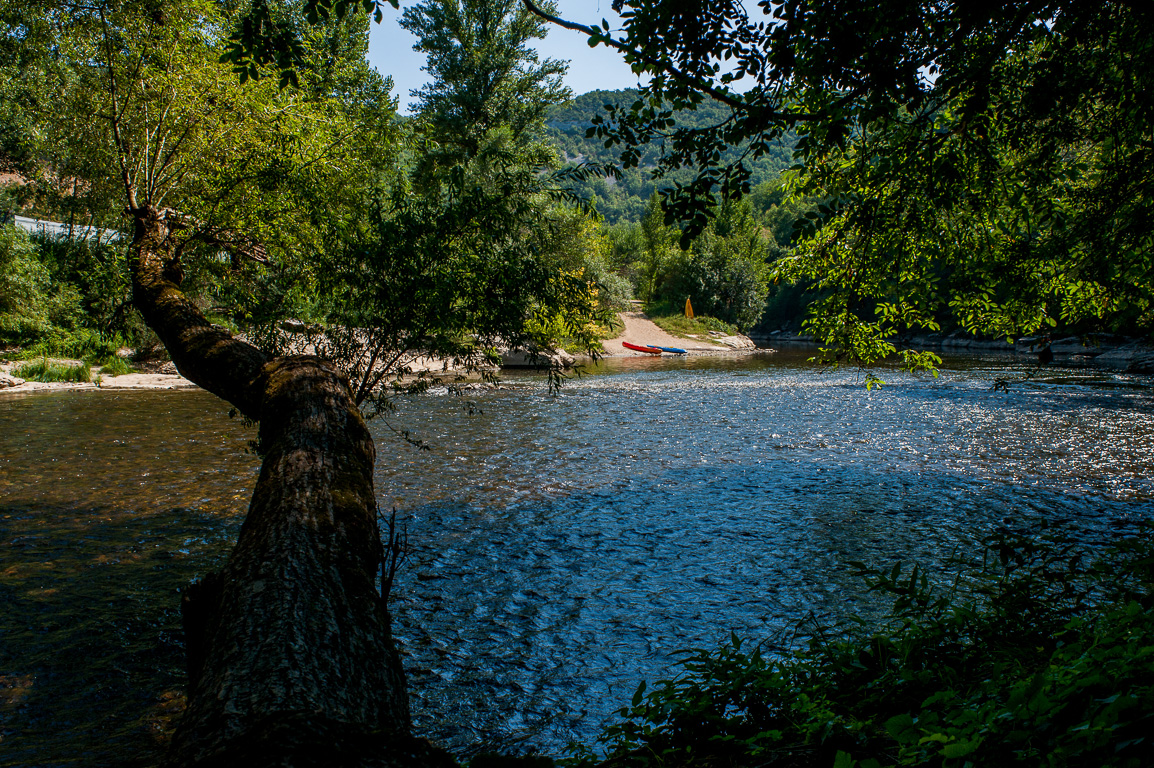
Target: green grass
(115, 366)
(682, 326)
(46, 370)
(81, 344)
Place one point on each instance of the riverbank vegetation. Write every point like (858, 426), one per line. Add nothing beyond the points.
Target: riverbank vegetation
(679, 325)
(449, 234)
(52, 370)
(1033, 651)
(987, 171)
(65, 298)
(247, 199)
(994, 181)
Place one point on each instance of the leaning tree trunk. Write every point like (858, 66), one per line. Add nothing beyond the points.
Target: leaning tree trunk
(290, 658)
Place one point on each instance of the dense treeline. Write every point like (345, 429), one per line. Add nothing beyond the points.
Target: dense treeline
(981, 170)
(726, 270)
(622, 244)
(310, 199)
(628, 258)
(623, 198)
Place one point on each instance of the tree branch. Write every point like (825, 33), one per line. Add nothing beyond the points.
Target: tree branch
(204, 353)
(725, 97)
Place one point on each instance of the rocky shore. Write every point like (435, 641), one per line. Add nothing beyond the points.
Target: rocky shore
(1101, 350)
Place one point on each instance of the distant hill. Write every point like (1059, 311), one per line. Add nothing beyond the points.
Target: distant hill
(624, 200)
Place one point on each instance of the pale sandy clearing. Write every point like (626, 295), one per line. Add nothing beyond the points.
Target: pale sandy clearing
(127, 381)
(641, 330)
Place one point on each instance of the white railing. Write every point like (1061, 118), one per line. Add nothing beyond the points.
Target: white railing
(56, 229)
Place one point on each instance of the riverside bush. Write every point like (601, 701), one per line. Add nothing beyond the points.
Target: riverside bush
(677, 324)
(1036, 655)
(81, 343)
(49, 370)
(115, 365)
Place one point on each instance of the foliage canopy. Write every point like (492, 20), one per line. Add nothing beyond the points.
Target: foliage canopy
(987, 163)
(459, 256)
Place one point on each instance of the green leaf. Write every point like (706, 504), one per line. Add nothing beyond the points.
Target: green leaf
(902, 728)
(960, 748)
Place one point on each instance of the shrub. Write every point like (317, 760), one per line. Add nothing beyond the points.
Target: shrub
(24, 284)
(726, 273)
(48, 371)
(115, 366)
(1036, 655)
(34, 304)
(701, 325)
(615, 292)
(81, 343)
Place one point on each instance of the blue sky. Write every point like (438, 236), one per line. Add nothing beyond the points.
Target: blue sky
(391, 52)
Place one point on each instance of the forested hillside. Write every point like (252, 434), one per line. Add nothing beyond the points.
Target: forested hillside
(624, 199)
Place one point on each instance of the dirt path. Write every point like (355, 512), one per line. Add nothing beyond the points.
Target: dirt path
(641, 330)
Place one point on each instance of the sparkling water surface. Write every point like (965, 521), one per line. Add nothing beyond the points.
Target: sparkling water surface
(564, 547)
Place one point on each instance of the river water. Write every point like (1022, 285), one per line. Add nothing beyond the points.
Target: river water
(563, 548)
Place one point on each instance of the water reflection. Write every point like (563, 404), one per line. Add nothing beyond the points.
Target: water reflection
(108, 504)
(564, 547)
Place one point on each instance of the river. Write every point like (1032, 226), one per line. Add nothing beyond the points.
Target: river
(563, 547)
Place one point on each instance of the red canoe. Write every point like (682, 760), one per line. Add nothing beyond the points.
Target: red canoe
(640, 348)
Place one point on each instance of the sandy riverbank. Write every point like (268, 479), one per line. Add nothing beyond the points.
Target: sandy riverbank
(642, 331)
(638, 330)
(100, 381)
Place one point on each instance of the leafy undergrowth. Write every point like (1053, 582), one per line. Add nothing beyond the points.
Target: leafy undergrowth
(1037, 656)
(114, 365)
(46, 370)
(610, 328)
(78, 344)
(680, 325)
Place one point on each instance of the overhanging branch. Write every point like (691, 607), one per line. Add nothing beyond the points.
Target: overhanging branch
(696, 83)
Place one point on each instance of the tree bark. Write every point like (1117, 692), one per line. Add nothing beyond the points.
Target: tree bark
(291, 662)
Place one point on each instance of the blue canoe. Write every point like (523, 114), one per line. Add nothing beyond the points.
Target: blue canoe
(674, 350)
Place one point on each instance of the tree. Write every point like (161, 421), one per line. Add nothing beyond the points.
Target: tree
(1032, 215)
(581, 244)
(929, 130)
(29, 302)
(726, 270)
(658, 239)
(461, 260)
(290, 656)
(485, 74)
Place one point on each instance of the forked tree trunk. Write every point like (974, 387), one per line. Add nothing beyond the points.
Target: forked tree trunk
(291, 662)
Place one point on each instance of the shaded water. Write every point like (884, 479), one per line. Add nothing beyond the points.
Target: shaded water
(563, 547)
